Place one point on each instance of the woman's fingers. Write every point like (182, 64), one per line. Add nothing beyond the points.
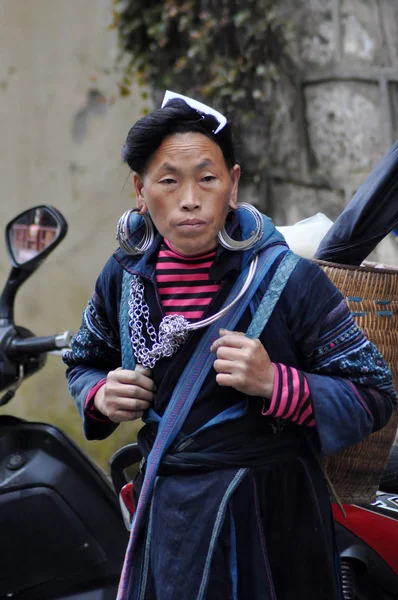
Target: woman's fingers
(123, 415)
(126, 409)
(232, 339)
(228, 353)
(140, 377)
(226, 366)
(130, 405)
(227, 380)
(224, 332)
(128, 393)
(118, 389)
(132, 391)
(144, 370)
(243, 363)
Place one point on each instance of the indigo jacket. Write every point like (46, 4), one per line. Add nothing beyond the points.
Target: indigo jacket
(238, 496)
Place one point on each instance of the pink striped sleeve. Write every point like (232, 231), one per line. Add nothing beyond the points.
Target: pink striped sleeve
(89, 409)
(291, 397)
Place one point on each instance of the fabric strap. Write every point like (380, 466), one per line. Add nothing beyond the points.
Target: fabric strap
(128, 358)
(196, 371)
(272, 295)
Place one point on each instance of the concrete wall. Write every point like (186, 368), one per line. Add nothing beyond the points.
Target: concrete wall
(62, 130)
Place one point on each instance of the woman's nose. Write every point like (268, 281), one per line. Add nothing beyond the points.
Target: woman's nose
(189, 198)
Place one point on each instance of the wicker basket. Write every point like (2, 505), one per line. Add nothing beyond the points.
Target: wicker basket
(372, 296)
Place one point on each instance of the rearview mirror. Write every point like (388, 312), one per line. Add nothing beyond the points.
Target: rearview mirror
(33, 234)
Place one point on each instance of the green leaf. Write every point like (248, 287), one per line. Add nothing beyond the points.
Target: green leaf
(124, 90)
(241, 17)
(231, 54)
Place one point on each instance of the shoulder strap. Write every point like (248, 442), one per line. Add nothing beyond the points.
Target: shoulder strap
(128, 358)
(194, 375)
(272, 295)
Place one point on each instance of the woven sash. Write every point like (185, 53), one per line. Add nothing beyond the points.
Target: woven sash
(196, 371)
(271, 296)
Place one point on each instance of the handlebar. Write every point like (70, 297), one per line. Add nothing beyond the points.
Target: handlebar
(39, 345)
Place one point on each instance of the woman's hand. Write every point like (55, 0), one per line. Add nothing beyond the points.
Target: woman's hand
(126, 394)
(243, 363)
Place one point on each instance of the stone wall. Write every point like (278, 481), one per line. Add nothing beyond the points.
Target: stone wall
(336, 121)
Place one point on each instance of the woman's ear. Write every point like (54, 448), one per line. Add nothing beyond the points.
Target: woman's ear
(138, 187)
(235, 176)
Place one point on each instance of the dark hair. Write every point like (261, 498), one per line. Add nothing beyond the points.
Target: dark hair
(145, 137)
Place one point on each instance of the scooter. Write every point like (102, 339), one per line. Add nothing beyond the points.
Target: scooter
(62, 536)
(367, 539)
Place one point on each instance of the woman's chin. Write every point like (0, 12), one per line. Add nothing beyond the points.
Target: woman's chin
(193, 246)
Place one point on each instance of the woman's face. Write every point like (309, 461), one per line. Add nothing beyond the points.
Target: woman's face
(187, 189)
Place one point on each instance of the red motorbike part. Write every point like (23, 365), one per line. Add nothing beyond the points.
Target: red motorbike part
(127, 504)
(378, 531)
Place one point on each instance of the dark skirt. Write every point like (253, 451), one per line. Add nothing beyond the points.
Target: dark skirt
(259, 533)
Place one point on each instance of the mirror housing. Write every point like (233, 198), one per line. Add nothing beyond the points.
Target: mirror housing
(27, 250)
(33, 234)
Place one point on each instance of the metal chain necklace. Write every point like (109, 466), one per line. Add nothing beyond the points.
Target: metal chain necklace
(173, 329)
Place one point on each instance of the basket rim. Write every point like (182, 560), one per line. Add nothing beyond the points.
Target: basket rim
(389, 270)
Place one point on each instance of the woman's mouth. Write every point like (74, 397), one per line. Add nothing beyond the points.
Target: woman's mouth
(192, 224)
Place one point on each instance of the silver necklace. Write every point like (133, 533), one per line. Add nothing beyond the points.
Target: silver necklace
(173, 329)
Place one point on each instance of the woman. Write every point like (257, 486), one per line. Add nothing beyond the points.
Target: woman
(231, 502)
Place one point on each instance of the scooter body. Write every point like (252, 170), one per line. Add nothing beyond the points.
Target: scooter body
(60, 526)
(367, 538)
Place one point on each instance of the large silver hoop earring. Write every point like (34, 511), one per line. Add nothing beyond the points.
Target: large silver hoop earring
(230, 244)
(129, 223)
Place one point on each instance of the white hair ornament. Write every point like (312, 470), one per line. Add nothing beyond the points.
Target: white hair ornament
(203, 108)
